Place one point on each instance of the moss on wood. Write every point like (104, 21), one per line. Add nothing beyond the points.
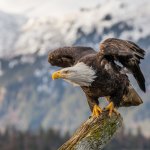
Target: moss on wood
(94, 133)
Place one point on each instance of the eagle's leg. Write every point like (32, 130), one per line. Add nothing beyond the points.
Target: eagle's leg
(96, 111)
(111, 108)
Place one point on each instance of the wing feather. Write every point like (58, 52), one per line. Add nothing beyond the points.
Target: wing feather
(128, 54)
(68, 56)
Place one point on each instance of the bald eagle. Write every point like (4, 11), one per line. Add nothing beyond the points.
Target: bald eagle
(98, 74)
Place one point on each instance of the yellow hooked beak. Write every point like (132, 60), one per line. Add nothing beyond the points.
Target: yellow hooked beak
(56, 75)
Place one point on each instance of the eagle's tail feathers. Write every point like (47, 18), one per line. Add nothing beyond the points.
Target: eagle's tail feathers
(131, 98)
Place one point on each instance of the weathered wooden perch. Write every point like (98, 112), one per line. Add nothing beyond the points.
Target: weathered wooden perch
(94, 133)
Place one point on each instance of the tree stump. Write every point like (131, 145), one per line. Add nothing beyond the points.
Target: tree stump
(94, 133)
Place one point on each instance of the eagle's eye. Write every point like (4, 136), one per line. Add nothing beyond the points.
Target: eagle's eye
(66, 71)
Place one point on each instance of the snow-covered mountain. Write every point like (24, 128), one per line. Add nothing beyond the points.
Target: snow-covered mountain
(9, 32)
(29, 99)
(123, 19)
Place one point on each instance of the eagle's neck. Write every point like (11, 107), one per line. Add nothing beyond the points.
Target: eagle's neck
(83, 75)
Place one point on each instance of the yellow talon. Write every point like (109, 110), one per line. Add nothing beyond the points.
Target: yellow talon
(111, 109)
(96, 111)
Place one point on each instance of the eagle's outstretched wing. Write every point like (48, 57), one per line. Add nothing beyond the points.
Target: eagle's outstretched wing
(127, 53)
(68, 56)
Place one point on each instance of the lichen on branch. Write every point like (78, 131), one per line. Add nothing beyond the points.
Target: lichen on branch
(94, 133)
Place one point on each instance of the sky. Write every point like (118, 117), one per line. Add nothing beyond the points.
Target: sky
(45, 7)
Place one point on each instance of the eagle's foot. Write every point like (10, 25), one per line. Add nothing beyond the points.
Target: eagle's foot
(110, 107)
(96, 111)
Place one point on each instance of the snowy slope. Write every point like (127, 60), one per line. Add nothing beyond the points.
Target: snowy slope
(9, 32)
(44, 33)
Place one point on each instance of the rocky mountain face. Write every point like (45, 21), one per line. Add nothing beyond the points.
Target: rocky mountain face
(29, 99)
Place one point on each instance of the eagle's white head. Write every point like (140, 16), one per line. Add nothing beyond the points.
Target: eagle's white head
(79, 74)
